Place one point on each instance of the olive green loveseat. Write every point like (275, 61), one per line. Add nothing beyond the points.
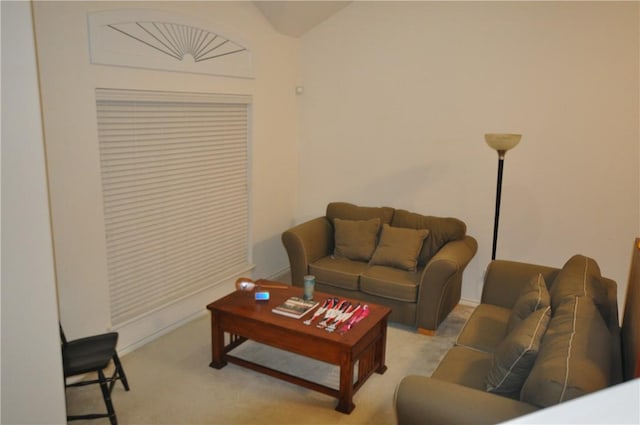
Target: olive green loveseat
(406, 261)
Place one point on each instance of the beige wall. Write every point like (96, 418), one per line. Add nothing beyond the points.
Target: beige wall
(69, 81)
(32, 387)
(398, 96)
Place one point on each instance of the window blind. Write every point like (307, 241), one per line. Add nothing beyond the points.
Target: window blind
(174, 170)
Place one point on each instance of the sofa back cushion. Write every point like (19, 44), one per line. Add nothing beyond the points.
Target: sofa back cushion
(533, 296)
(580, 276)
(441, 231)
(574, 357)
(347, 211)
(356, 239)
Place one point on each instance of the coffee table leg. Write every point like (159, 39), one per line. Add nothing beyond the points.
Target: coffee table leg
(218, 360)
(381, 348)
(345, 402)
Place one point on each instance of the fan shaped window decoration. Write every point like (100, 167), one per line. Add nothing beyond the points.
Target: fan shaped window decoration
(166, 41)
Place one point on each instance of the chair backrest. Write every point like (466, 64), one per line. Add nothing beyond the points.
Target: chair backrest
(631, 320)
(63, 338)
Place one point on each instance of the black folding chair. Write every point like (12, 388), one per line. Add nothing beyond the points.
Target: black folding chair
(93, 354)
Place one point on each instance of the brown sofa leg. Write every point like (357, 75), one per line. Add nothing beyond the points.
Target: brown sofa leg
(428, 332)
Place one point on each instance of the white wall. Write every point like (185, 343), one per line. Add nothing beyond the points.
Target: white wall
(398, 96)
(68, 84)
(32, 387)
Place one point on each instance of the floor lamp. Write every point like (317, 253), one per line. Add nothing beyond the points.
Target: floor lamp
(501, 142)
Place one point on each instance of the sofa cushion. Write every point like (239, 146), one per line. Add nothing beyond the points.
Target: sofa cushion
(514, 356)
(338, 272)
(574, 357)
(465, 367)
(485, 329)
(580, 276)
(533, 296)
(355, 239)
(399, 247)
(441, 231)
(391, 283)
(347, 211)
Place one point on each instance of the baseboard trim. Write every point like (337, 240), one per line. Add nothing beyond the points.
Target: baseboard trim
(136, 334)
(469, 303)
(147, 339)
(283, 275)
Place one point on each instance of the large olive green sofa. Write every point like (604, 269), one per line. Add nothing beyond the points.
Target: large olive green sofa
(540, 336)
(407, 261)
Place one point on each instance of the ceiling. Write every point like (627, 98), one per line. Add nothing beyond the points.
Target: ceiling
(295, 18)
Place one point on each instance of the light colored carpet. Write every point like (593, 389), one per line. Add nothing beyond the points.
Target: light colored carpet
(172, 383)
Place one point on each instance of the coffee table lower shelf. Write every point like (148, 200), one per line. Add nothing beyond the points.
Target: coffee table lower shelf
(284, 376)
(367, 365)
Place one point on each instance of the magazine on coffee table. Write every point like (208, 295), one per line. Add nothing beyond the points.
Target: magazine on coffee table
(295, 307)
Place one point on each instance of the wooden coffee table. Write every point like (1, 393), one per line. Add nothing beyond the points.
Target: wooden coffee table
(241, 318)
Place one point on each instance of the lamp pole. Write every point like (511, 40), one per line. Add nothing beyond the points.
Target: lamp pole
(501, 142)
(496, 219)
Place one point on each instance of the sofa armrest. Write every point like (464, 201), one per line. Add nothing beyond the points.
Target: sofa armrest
(503, 280)
(441, 282)
(424, 400)
(306, 243)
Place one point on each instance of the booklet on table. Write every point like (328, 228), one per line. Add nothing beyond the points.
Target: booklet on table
(295, 307)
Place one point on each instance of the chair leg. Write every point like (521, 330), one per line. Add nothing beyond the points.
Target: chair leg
(120, 372)
(106, 394)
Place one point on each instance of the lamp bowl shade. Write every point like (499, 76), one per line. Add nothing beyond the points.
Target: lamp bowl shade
(502, 141)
